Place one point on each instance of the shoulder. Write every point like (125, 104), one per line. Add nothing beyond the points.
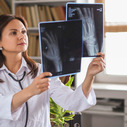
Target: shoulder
(39, 65)
(39, 68)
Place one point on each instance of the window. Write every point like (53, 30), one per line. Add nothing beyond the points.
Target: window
(115, 44)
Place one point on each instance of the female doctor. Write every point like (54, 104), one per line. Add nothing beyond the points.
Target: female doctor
(24, 90)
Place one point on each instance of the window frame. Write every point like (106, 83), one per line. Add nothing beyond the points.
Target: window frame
(103, 77)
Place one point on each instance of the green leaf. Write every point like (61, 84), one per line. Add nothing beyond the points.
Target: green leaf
(58, 112)
(69, 83)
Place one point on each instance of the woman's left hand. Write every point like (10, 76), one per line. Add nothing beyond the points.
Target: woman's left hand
(97, 65)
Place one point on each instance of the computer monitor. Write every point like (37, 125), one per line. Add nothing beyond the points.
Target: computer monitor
(93, 25)
(61, 47)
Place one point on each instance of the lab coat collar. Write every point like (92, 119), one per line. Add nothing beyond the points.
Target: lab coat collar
(24, 67)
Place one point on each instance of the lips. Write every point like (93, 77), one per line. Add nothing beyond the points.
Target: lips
(22, 43)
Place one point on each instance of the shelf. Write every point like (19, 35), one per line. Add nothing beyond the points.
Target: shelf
(114, 87)
(33, 29)
(43, 1)
(97, 112)
(35, 57)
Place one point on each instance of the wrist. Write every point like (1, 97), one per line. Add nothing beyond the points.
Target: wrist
(90, 76)
(28, 92)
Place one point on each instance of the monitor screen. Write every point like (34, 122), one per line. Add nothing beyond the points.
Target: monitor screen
(61, 47)
(93, 26)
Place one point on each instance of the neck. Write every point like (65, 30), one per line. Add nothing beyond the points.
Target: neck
(13, 62)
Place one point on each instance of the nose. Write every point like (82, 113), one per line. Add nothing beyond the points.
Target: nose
(20, 36)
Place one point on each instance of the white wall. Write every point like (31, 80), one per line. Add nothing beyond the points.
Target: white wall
(79, 78)
(82, 1)
(85, 1)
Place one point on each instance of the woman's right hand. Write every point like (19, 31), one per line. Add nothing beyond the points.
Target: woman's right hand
(39, 84)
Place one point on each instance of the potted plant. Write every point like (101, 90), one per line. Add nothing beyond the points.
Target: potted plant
(59, 116)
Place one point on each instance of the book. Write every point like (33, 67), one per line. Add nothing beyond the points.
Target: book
(48, 13)
(61, 12)
(4, 7)
(58, 13)
(18, 10)
(44, 14)
(1, 11)
(23, 9)
(54, 13)
(29, 16)
(40, 13)
(34, 20)
(37, 14)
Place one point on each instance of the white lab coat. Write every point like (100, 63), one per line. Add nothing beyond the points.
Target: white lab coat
(39, 112)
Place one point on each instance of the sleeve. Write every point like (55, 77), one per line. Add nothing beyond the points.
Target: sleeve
(5, 106)
(69, 99)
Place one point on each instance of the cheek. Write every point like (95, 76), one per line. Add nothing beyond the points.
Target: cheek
(6, 42)
(27, 40)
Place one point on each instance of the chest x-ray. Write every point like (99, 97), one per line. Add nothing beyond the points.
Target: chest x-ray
(61, 47)
(92, 19)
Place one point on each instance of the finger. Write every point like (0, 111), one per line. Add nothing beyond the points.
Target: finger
(99, 64)
(53, 37)
(92, 14)
(99, 59)
(79, 13)
(102, 66)
(89, 12)
(101, 54)
(41, 86)
(44, 80)
(45, 74)
(48, 37)
(43, 89)
(85, 12)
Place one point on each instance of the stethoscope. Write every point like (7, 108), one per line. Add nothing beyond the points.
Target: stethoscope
(19, 81)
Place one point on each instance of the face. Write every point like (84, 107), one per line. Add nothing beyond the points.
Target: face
(14, 38)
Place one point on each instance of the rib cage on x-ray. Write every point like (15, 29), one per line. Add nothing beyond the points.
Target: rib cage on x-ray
(61, 47)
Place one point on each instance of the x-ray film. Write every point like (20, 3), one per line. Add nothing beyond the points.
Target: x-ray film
(93, 26)
(61, 47)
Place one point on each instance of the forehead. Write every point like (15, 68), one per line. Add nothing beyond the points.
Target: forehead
(15, 24)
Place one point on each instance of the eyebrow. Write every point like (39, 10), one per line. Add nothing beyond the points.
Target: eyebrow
(16, 29)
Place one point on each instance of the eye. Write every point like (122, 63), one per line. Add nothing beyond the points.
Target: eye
(24, 32)
(13, 33)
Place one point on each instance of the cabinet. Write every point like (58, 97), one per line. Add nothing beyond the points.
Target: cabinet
(99, 118)
(36, 11)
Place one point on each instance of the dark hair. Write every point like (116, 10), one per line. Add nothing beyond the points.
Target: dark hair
(4, 20)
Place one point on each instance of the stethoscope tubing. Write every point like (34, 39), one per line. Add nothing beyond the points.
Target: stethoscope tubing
(19, 81)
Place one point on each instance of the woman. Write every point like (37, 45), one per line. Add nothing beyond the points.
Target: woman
(24, 90)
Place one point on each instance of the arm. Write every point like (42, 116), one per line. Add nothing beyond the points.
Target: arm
(97, 65)
(39, 85)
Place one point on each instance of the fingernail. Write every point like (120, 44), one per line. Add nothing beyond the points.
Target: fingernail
(50, 74)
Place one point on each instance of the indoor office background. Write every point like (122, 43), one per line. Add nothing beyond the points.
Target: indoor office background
(111, 85)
